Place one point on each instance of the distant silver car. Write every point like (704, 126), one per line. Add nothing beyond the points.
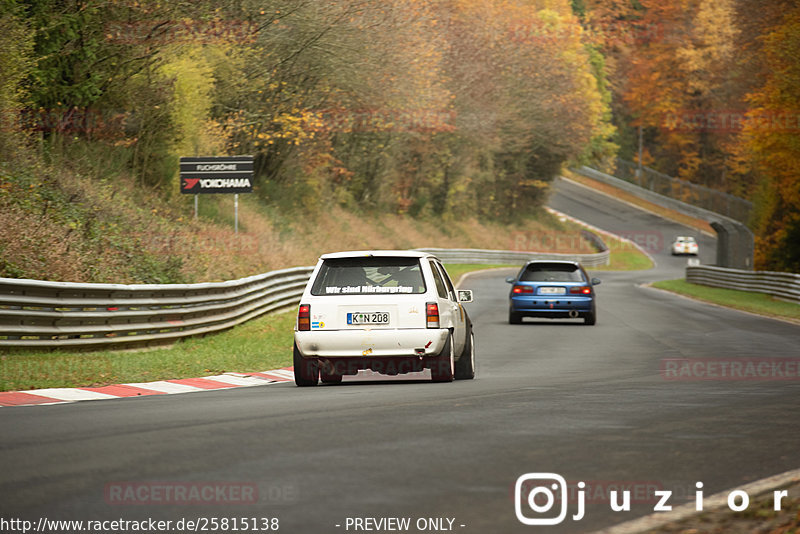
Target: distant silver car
(685, 245)
(393, 312)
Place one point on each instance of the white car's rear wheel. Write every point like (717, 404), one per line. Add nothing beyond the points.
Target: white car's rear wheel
(443, 365)
(330, 379)
(306, 370)
(465, 366)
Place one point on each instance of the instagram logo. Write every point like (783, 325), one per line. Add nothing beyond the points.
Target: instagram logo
(540, 491)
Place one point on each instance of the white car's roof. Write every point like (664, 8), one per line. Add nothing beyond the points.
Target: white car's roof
(377, 253)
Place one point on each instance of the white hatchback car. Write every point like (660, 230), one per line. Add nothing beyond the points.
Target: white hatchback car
(393, 312)
(685, 245)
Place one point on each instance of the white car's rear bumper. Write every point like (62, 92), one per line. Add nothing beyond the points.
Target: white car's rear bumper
(371, 343)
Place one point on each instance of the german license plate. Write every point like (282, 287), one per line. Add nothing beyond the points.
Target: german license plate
(552, 290)
(367, 318)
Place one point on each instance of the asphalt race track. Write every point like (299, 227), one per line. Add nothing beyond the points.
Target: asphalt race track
(586, 402)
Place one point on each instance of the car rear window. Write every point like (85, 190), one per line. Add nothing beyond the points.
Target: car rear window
(369, 276)
(551, 272)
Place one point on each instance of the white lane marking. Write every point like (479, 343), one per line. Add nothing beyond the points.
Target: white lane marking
(281, 373)
(241, 381)
(165, 387)
(62, 395)
(70, 394)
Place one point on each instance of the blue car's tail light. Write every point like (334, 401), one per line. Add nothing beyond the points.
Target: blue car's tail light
(581, 290)
(522, 289)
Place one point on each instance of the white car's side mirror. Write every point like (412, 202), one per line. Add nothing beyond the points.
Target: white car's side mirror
(464, 295)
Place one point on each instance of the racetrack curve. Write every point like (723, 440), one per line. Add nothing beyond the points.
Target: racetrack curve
(586, 402)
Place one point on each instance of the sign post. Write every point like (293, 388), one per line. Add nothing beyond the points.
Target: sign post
(218, 174)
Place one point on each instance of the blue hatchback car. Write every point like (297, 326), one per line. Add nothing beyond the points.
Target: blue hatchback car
(552, 289)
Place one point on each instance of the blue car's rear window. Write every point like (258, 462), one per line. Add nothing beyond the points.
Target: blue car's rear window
(551, 272)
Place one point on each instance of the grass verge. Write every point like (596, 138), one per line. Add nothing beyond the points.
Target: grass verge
(760, 516)
(741, 300)
(624, 257)
(457, 271)
(258, 345)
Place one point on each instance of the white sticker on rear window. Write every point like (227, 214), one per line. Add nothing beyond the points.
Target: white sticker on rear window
(349, 290)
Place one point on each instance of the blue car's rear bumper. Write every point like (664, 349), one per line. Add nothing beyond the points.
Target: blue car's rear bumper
(553, 307)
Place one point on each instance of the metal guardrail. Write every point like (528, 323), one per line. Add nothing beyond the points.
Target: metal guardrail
(785, 286)
(501, 257)
(698, 195)
(36, 313)
(42, 314)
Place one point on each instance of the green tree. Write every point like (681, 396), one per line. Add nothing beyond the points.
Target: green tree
(15, 63)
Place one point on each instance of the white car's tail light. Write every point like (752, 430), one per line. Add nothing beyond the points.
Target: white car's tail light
(304, 317)
(432, 314)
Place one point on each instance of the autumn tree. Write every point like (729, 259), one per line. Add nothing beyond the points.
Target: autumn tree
(771, 140)
(462, 107)
(525, 94)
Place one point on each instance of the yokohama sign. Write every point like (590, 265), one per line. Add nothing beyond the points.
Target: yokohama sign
(226, 174)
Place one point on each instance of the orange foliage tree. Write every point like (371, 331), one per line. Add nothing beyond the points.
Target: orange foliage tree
(772, 141)
(712, 85)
